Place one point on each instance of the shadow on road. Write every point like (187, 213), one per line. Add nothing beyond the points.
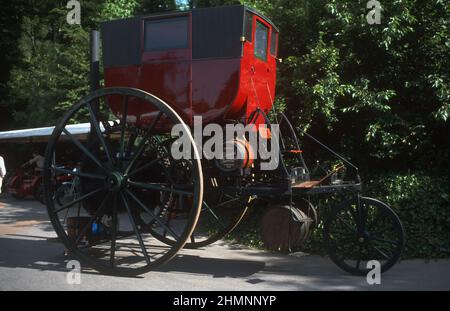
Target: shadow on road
(34, 252)
(216, 267)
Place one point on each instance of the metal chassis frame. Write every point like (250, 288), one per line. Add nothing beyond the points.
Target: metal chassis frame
(288, 190)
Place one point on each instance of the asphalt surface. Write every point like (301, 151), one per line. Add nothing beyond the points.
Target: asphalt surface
(31, 260)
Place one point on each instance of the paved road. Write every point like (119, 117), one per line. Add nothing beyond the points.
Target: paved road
(30, 261)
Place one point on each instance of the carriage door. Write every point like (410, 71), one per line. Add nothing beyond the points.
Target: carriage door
(263, 70)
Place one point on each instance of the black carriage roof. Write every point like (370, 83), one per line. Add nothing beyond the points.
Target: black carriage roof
(179, 12)
(214, 29)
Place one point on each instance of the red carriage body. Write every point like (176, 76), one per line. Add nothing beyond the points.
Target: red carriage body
(218, 63)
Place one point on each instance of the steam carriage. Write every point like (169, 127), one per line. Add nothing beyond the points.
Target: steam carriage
(137, 204)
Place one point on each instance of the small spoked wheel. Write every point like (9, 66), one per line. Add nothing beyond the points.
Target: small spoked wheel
(125, 166)
(363, 230)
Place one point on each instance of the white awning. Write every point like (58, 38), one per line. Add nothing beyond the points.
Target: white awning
(42, 134)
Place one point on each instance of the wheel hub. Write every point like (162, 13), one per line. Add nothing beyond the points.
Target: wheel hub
(363, 237)
(116, 181)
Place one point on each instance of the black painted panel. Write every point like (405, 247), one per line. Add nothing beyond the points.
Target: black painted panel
(121, 40)
(216, 32)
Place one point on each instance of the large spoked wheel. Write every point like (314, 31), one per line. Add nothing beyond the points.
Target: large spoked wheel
(363, 230)
(121, 174)
(220, 214)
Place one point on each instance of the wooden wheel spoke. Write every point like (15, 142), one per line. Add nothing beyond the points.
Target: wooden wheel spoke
(142, 144)
(214, 215)
(112, 256)
(362, 212)
(159, 187)
(357, 212)
(374, 221)
(351, 211)
(95, 124)
(130, 143)
(135, 228)
(84, 149)
(77, 173)
(347, 225)
(384, 240)
(154, 217)
(379, 251)
(358, 261)
(147, 165)
(353, 215)
(166, 224)
(80, 199)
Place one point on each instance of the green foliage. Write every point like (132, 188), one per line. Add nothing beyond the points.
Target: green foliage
(383, 90)
(119, 9)
(423, 204)
(53, 68)
(36, 85)
(152, 6)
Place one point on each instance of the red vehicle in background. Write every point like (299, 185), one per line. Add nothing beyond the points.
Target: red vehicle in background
(25, 182)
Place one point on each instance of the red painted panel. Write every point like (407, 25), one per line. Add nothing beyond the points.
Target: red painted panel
(167, 81)
(215, 84)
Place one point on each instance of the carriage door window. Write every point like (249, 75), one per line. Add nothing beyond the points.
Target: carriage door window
(167, 34)
(274, 43)
(261, 40)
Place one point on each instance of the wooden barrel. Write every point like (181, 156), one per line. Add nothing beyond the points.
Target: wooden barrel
(284, 228)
